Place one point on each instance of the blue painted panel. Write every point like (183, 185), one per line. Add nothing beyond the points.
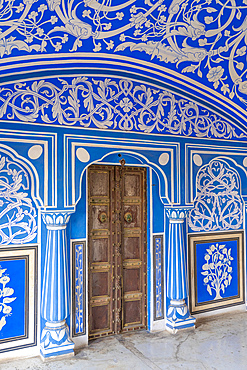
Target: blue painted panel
(217, 271)
(158, 206)
(13, 299)
(78, 219)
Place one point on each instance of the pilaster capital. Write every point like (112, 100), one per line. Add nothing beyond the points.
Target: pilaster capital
(177, 214)
(57, 219)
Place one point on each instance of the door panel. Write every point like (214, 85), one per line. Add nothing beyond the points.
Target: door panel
(99, 183)
(132, 247)
(134, 267)
(117, 249)
(132, 312)
(100, 251)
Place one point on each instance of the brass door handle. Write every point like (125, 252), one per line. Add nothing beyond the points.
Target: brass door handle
(102, 217)
(128, 217)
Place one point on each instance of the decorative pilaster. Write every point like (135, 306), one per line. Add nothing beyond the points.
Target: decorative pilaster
(178, 315)
(55, 339)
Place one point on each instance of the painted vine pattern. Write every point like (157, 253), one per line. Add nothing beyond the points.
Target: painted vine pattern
(17, 212)
(111, 104)
(218, 204)
(206, 38)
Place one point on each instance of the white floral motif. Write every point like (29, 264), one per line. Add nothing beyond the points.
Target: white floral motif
(111, 103)
(5, 297)
(215, 74)
(218, 205)
(217, 269)
(126, 104)
(17, 213)
(158, 273)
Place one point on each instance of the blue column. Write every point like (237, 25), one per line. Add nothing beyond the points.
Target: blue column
(55, 338)
(178, 315)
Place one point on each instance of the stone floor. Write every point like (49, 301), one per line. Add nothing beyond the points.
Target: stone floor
(219, 342)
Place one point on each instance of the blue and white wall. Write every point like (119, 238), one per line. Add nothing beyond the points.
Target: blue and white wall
(164, 86)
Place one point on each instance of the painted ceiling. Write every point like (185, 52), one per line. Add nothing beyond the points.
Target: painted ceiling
(196, 48)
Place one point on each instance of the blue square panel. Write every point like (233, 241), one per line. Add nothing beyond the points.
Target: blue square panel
(216, 273)
(217, 270)
(13, 298)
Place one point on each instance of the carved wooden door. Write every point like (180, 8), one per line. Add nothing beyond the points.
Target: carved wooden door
(117, 249)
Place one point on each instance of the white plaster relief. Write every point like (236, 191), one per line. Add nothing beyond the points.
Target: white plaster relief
(83, 155)
(197, 159)
(245, 162)
(164, 159)
(35, 151)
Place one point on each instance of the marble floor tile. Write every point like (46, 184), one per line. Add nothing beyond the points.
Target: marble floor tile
(218, 343)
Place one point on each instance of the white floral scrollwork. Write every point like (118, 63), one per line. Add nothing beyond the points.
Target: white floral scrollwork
(5, 297)
(17, 212)
(218, 204)
(111, 103)
(79, 289)
(205, 39)
(158, 274)
(217, 270)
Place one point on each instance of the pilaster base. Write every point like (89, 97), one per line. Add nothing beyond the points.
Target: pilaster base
(55, 340)
(178, 317)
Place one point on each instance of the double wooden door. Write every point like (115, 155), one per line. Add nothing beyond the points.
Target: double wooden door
(117, 249)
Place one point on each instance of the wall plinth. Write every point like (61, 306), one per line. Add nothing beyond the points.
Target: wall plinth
(55, 340)
(178, 315)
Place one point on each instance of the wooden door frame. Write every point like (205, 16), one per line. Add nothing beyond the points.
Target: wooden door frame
(148, 242)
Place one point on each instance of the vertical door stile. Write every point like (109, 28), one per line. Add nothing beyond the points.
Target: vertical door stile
(118, 250)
